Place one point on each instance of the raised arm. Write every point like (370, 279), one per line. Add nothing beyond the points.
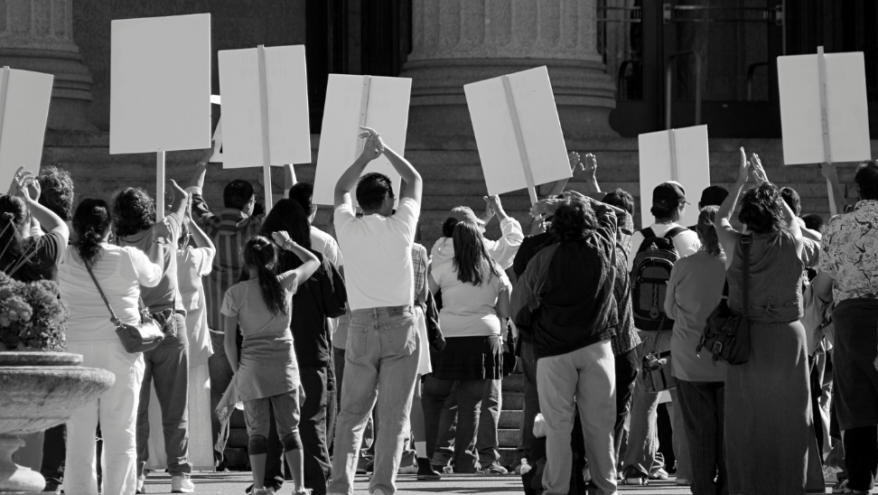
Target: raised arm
(348, 180)
(289, 179)
(49, 221)
(310, 263)
(728, 236)
(414, 185)
(180, 201)
(555, 188)
(793, 226)
(201, 239)
(230, 328)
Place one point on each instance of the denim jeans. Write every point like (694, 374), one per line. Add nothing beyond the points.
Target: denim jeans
(487, 439)
(313, 427)
(440, 419)
(640, 454)
(168, 366)
(469, 396)
(381, 354)
(627, 369)
(531, 399)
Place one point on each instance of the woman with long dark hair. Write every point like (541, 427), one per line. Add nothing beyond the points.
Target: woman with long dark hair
(475, 296)
(120, 272)
(769, 438)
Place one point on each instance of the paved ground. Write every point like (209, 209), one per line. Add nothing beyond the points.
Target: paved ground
(235, 483)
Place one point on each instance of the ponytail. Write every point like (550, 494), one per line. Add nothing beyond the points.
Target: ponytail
(708, 231)
(261, 255)
(90, 222)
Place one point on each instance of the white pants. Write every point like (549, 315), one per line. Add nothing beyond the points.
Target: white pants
(116, 410)
(584, 378)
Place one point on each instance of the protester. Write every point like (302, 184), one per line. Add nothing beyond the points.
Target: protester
(850, 256)
(572, 324)
(768, 396)
(119, 274)
(168, 364)
(711, 196)
(475, 303)
(502, 251)
(382, 348)
(694, 290)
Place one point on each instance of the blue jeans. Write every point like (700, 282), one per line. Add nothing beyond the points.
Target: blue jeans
(381, 354)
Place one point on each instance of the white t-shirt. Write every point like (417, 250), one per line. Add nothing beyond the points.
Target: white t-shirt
(324, 244)
(686, 242)
(469, 310)
(378, 268)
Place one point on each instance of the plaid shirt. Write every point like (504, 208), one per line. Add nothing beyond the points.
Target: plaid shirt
(229, 231)
(419, 265)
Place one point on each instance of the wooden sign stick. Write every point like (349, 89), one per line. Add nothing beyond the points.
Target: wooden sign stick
(519, 139)
(364, 110)
(266, 144)
(160, 185)
(824, 119)
(672, 138)
(4, 89)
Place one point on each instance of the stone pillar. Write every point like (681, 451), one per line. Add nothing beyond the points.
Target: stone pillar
(37, 35)
(456, 42)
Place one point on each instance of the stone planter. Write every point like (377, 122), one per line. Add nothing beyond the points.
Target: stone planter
(39, 390)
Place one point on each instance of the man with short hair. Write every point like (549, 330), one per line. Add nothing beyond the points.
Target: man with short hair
(382, 347)
(711, 196)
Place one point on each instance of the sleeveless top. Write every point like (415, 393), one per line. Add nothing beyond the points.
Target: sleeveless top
(775, 279)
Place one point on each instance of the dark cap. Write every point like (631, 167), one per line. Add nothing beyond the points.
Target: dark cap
(713, 196)
(668, 195)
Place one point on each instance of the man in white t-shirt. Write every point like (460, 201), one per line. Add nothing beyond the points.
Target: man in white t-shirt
(382, 344)
(640, 464)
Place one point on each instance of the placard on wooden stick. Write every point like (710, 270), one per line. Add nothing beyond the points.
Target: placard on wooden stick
(680, 155)
(24, 107)
(265, 108)
(160, 88)
(381, 103)
(518, 131)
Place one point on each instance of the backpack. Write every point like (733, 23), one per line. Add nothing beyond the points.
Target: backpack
(649, 279)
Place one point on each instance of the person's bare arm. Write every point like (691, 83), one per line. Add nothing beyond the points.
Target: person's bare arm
(289, 179)
(728, 236)
(198, 236)
(503, 310)
(29, 189)
(310, 263)
(414, 184)
(793, 226)
(348, 180)
(230, 326)
(181, 200)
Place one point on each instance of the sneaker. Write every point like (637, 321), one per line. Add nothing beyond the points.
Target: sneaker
(378, 491)
(586, 475)
(493, 469)
(659, 474)
(362, 464)
(632, 476)
(139, 486)
(182, 484)
(410, 469)
(842, 487)
(683, 482)
(446, 469)
(426, 471)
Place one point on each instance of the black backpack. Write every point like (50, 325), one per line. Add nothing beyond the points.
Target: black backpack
(649, 279)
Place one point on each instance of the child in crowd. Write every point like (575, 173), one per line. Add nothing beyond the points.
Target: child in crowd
(267, 374)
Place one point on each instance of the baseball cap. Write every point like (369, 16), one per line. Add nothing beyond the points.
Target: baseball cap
(668, 195)
(466, 214)
(713, 195)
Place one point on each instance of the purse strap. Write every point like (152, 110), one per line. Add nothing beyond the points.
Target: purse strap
(113, 316)
(745, 245)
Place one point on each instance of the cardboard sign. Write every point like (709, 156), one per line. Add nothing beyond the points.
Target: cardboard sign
(24, 107)
(160, 84)
(679, 155)
(846, 109)
(286, 84)
(381, 103)
(517, 130)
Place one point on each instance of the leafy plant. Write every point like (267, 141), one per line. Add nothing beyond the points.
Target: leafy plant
(32, 315)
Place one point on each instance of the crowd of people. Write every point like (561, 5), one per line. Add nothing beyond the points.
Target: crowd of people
(325, 339)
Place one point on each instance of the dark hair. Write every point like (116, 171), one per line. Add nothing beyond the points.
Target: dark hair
(260, 255)
(573, 220)
(620, 198)
(761, 210)
(303, 193)
(448, 226)
(287, 216)
(470, 254)
(13, 220)
(57, 191)
(867, 179)
(708, 231)
(813, 221)
(663, 213)
(372, 189)
(133, 211)
(791, 198)
(237, 194)
(90, 222)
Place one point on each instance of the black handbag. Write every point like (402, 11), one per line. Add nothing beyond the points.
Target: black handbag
(727, 335)
(135, 338)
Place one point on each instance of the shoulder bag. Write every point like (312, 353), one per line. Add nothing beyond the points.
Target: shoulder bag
(727, 335)
(135, 338)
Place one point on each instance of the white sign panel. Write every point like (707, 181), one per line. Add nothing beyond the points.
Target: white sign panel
(160, 84)
(287, 101)
(24, 100)
(386, 111)
(680, 155)
(846, 106)
(495, 130)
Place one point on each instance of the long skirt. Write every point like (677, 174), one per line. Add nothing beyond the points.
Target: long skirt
(771, 447)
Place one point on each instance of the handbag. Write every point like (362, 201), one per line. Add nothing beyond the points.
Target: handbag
(657, 370)
(135, 338)
(727, 335)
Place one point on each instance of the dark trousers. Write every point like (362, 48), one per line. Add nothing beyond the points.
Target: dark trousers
(627, 368)
(331, 404)
(54, 452)
(312, 428)
(168, 366)
(703, 408)
(861, 457)
(531, 399)
(470, 394)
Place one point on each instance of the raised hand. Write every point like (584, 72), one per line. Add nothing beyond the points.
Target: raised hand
(374, 146)
(757, 170)
(591, 166)
(281, 238)
(177, 191)
(546, 206)
(29, 187)
(575, 161)
(743, 166)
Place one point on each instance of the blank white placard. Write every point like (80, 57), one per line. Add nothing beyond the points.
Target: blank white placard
(26, 109)
(387, 112)
(160, 84)
(540, 128)
(847, 108)
(288, 121)
(692, 168)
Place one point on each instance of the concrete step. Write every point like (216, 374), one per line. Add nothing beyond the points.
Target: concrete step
(513, 401)
(509, 458)
(511, 420)
(513, 383)
(508, 437)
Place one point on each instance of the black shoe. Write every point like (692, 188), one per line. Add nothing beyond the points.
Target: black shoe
(426, 471)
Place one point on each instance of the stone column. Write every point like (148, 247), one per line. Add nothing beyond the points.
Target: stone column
(456, 42)
(37, 35)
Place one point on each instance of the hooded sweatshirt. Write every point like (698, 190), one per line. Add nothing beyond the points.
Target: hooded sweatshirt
(502, 251)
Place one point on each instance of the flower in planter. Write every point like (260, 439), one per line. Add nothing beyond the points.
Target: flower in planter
(32, 315)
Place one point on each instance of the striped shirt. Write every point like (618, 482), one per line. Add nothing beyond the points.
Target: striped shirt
(229, 230)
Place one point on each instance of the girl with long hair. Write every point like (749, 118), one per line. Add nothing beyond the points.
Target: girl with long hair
(475, 296)
(267, 375)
